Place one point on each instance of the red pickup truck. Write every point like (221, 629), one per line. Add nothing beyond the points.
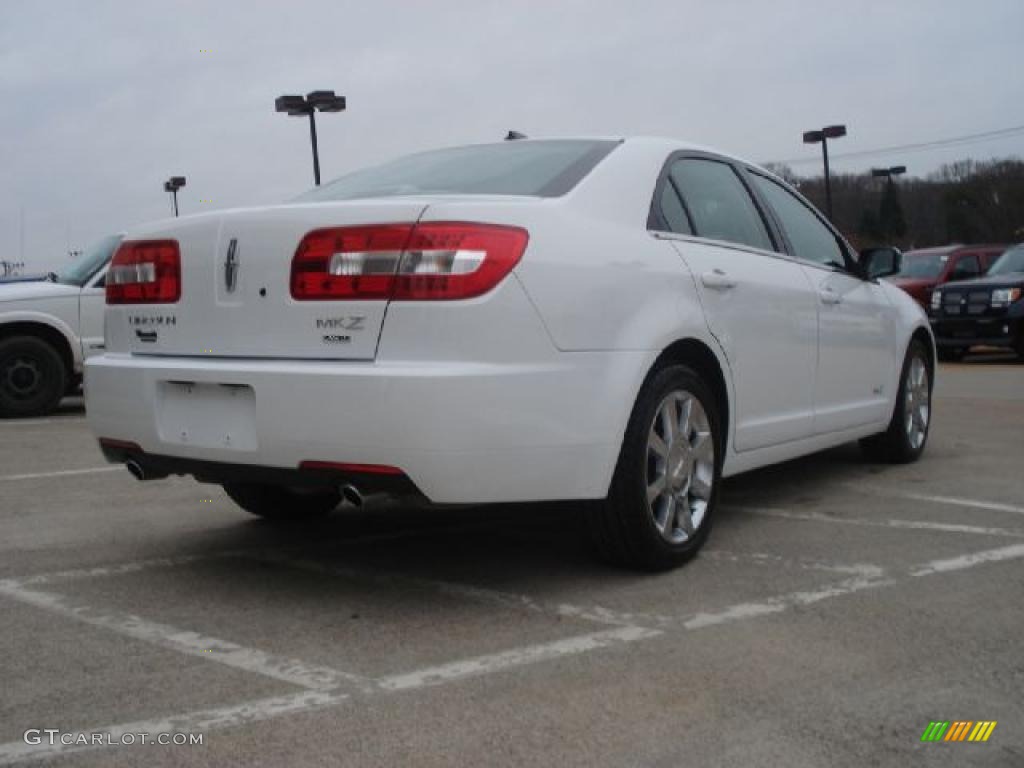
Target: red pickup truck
(925, 269)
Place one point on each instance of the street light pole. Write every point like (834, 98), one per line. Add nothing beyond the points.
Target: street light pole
(172, 185)
(822, 136)
(310, 104)
(316, 152)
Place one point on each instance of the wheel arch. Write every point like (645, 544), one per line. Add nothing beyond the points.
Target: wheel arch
(52, 335)
(696, 354)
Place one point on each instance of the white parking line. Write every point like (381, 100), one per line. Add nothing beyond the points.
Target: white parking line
(192, 722)
(262, 709)
(766, 558)
(185, 641)
(921, 525)
(969, 561)
(957, 502)
(40, 422)
(779, 603)
(62, 473)
(120, 569)
(595, 614)
(516, 657)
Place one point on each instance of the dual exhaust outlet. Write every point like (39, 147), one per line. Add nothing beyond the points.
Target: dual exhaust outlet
(349, 492)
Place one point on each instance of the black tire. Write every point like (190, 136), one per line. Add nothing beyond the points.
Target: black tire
(33, 377)
(895, 446)
(623, 526)
(952, 354)
(280, 503)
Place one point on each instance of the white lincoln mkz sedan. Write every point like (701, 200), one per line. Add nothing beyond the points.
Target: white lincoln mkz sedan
(623, 322)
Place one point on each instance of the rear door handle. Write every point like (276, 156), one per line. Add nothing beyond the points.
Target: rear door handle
(717, 280)
(829, 296)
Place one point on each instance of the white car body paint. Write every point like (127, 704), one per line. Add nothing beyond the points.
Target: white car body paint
(76, 313)
(521, 394)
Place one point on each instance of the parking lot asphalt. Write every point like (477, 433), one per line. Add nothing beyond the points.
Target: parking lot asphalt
(838, 608)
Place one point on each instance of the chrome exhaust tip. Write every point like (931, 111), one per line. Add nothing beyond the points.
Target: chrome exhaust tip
(136, 469)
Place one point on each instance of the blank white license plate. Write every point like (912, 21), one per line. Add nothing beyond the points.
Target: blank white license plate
(207, 415)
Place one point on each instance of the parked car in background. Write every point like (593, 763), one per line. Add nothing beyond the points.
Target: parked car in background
(988, 311)
(48, 326)
(924, 269)
(623, 322)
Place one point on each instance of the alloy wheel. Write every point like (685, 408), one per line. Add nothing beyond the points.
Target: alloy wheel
(680, 466)
(918, 402)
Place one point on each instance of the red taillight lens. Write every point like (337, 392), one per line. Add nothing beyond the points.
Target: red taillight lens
(145, 272)
(348, 262)
(457, 261)
(430, 261)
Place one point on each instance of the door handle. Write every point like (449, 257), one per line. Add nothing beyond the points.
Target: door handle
(717, 280)
(829, 296)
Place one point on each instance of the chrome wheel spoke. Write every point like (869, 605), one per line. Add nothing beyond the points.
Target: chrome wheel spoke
(700, 486)
(671, 421)
(655, 489)
(657, 446)
(702, 447)
(668, 521)
(684, 419)
(685, 516)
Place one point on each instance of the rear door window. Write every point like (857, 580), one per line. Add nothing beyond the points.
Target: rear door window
(719, 204)
(673, 215)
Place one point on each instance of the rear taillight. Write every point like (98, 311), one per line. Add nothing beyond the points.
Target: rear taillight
(418, 262)
(145, 272)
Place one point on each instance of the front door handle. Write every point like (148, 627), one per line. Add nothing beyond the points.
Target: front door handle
(717, 280)
(829, 296)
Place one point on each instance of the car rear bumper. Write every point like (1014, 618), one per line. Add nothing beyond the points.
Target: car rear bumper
(459, 432)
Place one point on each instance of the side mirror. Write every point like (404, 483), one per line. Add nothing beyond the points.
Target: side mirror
(880, 262)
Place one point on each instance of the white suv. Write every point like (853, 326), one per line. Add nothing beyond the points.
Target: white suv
(48, 327)
(618, 321)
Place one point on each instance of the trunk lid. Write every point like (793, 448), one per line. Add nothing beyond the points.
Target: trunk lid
(235, 293)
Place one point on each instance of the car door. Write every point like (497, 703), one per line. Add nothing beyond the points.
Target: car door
(856, 320)
(91, 306)
(758, 305)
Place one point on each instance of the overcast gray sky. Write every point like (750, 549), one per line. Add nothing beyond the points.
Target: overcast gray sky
(102, 101)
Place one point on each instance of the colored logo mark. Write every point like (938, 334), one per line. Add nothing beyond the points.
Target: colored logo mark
(958, 730)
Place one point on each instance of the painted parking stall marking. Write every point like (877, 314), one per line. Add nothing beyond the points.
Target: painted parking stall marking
(326, 687)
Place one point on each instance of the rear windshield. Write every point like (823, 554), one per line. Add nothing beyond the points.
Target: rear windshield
(540, 168)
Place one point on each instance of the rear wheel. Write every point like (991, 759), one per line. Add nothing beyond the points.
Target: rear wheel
(907, 434)
(663, 495)
(280, 503)
(33, 377)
